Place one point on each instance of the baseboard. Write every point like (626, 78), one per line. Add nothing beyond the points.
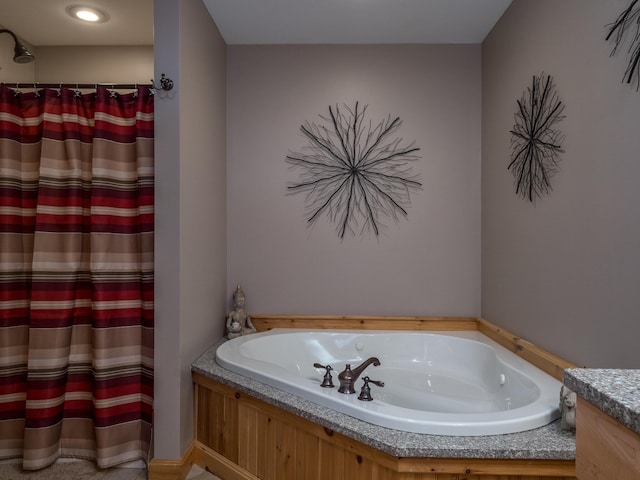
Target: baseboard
(172, 469)
(219, 465)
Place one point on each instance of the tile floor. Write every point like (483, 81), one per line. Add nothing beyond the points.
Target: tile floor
(66, 469)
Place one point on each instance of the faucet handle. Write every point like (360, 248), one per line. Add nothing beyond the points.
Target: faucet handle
(327, 381)
(365, 393)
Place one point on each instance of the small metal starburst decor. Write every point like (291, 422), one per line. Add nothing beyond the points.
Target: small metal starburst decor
(629, 19)
(355, 172)
(535, 141)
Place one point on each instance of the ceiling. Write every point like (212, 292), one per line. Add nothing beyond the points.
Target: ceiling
(45, 23)
(355, 21)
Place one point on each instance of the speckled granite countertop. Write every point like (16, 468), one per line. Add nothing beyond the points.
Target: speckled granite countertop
(615, 392)
(548, 442)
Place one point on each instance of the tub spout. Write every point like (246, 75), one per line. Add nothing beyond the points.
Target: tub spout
(348, 377)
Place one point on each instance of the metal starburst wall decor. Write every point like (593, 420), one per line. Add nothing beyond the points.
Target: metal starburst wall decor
(355, 172)
(536, 143)
(629, 19)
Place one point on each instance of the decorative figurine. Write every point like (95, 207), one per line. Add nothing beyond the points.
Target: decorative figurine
(238, 321)
(568, 409)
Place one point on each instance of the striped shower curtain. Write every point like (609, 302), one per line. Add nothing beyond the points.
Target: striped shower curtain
(76, 275)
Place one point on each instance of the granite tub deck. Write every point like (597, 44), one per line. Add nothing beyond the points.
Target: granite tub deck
(546, 443)
(615, 392)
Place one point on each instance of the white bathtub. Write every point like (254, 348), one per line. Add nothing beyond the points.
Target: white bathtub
(441, 383)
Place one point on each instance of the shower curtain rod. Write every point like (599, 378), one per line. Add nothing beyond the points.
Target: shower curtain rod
(165, 84)
(114, 86)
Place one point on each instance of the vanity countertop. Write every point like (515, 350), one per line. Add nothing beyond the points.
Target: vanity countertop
(548, 442)
(614, 391)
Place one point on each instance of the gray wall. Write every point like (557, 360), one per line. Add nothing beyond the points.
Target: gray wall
(117, 64)
(426, 265)
(77, 64)
(10, 71)
(190, 249)
(563, 273)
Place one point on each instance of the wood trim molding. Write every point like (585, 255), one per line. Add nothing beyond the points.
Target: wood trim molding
(486, 466)
(220, 465)
(172, 469)
(267, 322)
(545, 361)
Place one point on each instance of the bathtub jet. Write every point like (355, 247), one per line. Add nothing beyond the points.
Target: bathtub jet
(441, 383)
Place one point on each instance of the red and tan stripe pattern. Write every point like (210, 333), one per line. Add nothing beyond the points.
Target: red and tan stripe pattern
(76, 275)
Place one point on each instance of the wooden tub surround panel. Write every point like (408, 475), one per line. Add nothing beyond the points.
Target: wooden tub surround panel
(239, 437)
(605, 449)
(262, 441)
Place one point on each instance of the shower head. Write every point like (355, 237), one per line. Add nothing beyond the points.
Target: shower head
(20, 53)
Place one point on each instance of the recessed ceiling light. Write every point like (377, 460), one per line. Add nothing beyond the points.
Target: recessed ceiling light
(87, 14)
